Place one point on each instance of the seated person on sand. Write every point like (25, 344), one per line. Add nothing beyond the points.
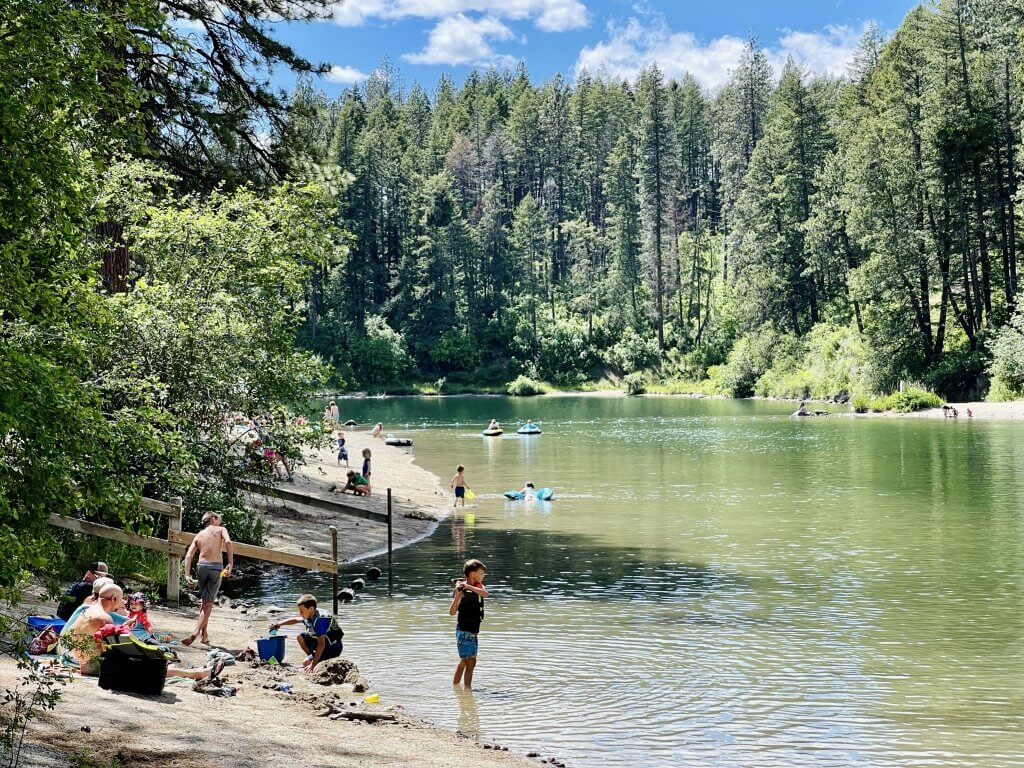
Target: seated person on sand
(81, 648)
(358, 484)
(378, 430)
(81, 589)
(322, 639)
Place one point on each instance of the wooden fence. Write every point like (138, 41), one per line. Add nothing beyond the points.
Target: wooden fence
(177, 540)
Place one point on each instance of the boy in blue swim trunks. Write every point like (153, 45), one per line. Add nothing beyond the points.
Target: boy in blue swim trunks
(459, 484)
(468, 605)
(322, 639)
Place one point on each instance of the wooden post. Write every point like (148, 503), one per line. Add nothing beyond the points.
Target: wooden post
(334, 555)
(391, 578)
(173, 559)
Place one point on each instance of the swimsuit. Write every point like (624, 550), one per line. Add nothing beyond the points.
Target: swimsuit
(460, 491)
(208, 576)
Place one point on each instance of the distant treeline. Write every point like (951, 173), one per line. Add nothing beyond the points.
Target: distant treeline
(566, 231)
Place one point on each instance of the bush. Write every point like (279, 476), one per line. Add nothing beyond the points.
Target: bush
(958, 375)
(632, 352)
(1007, 367)
(909, 400)
(860, 403)
(380, 356)
(565, 356)
(524, 386)
(455, 350)
(635, 383)
(751, 357)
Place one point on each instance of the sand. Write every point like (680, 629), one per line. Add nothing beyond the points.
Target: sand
(261, 725)
(417, 498)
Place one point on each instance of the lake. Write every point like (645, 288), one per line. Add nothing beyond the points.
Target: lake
(715, 584)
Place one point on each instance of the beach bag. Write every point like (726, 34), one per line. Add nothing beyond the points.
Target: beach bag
(44, 642)
(132, 666)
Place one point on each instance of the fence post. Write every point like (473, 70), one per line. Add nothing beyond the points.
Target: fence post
(391, 578)
(173, 561)
(334, 554)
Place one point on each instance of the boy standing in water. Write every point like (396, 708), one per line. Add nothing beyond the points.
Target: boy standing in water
(468, 604)
(459, 484)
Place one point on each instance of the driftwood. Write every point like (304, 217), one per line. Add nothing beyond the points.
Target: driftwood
(369, 717)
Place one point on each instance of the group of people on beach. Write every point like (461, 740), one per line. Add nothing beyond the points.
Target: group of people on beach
(100, 613)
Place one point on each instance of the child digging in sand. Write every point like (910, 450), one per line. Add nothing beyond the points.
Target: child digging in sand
(322, 639)
(459, 484)
(468, 604)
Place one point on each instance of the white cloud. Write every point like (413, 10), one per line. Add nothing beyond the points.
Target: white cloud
(548, 15)
(460, 39)
(344, 75)
(829, 52)
(631, 47)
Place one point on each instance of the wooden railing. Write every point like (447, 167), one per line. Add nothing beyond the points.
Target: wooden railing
(177, 542)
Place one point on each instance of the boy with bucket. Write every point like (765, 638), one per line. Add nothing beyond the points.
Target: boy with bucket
(322, 639)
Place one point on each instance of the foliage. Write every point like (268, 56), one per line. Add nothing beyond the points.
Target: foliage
(860, 403)
(632, 353)
(829, 361)
(1007, 368)
(909, 400)
(35, 692)
(565, 357)
(524, 386)
(455, 350)
(380, 357)
(635, 383)
(751, 357)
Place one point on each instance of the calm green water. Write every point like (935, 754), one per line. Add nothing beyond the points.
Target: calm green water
(715, 584)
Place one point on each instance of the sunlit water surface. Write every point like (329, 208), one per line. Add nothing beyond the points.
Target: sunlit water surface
(715, 584)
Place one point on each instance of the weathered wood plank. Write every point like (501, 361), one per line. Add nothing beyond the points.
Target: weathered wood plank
(106, 532)
(160, 507)
(184, 538)
(173, 559)
(317, 501)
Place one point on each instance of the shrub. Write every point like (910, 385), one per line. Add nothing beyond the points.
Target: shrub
(1007, 367)
(635, 383)
(380, 356)
(455, 350)
(958, 374)
(751, 357)
(860, 403)
(524, 386)
(632, 352)
(909, 400)
(565, 356)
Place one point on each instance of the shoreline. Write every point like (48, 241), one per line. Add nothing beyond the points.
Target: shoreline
(168, 731)
(183, 728)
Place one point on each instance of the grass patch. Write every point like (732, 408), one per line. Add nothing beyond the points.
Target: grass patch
(909, 400)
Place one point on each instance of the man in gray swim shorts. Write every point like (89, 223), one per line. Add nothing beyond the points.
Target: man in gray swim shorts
(209, 543)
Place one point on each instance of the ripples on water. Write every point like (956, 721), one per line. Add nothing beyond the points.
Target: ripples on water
(718, 585)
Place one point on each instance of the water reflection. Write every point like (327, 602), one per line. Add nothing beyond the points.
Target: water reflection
(469, 715)
(715, 584)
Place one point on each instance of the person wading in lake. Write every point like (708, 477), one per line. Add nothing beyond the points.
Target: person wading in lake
(209, 543)
(468, 604)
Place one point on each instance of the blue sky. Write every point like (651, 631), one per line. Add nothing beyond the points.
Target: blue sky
(424, 38)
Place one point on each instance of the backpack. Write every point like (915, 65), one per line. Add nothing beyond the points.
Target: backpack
(130, 665)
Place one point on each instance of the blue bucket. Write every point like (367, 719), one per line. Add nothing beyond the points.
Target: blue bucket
(271, 648)
(39, 623)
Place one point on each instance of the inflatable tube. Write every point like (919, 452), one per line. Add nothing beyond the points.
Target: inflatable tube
(525, 431)
(545, 494)
(350, 423)
(398, 441)
(492, 432)
(515, 495)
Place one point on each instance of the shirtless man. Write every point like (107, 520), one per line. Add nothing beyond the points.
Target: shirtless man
(86, 649)
(209, 542)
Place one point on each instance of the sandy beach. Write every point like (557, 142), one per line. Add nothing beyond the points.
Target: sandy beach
(263, 725)
(417, 498)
